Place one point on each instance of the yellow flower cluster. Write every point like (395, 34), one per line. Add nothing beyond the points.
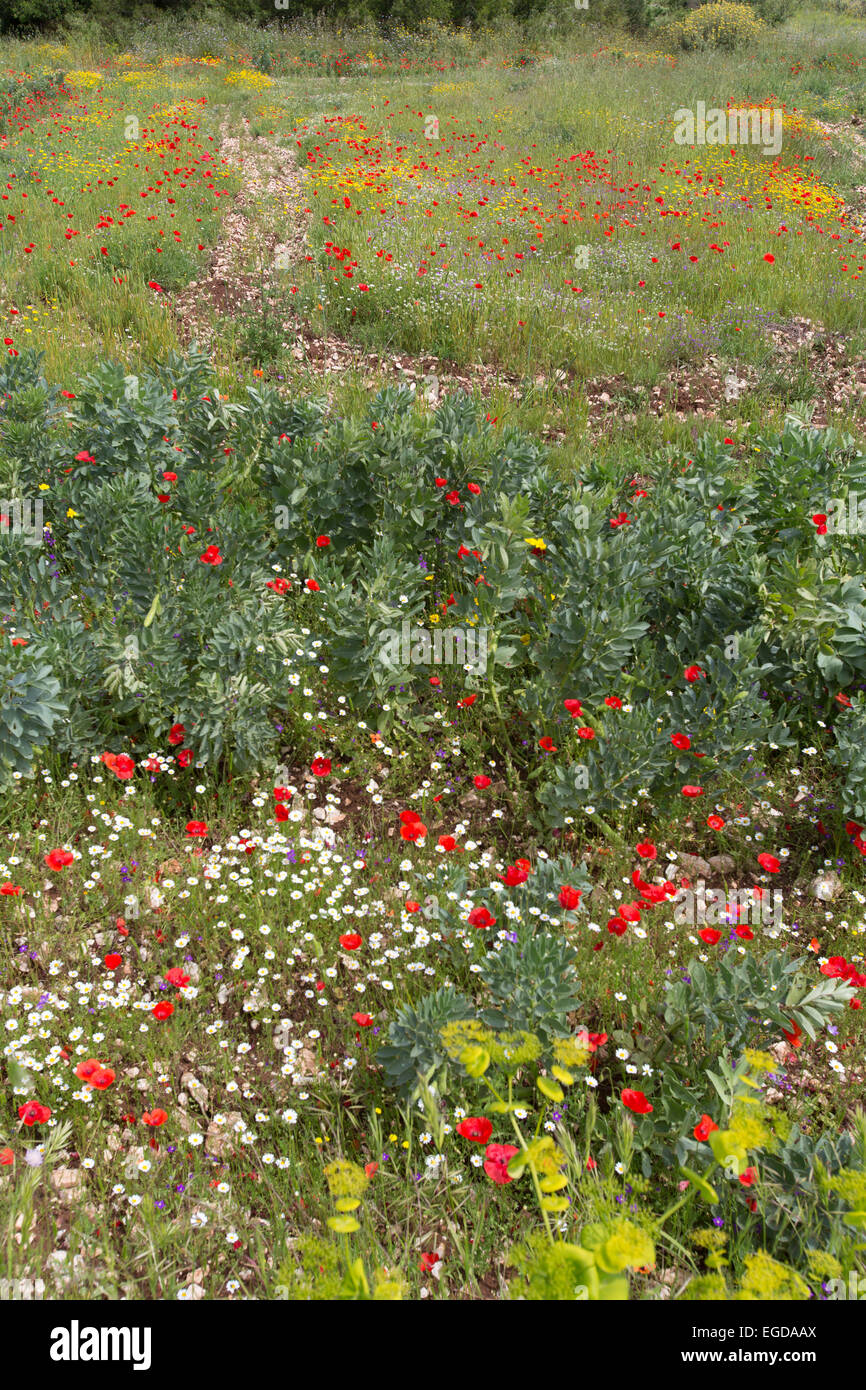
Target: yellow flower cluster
(346, 1179)
(250, 81)
(53, 53)
(82, 78)
(718, 25)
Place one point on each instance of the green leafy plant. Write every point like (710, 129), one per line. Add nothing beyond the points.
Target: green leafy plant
(533, 986)
(414, 1048)
(749, 999)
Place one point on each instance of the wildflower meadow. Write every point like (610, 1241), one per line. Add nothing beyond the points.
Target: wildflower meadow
(433, 662)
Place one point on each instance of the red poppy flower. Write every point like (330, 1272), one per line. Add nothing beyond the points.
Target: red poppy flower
(704, 1128)
(715, 823)
(196, 829)
(163, 1010)
(466, 701)
(652, 893)
(750, 1175)
(547, 744)
(613, 701)
(58, 859)
(515, 875)
(101, 1079)
(647, 850)
(412, 906)
(836, 967)
(7, 1158)
(113, 960)
(351, 941)
(473, 488)
(176, 734)
(795, 1037)
(312, 586)
(574, 708)
(770, 258)
(321, 767)
(569, 897)
(481, 918)
(744, 933)
(32, 1113)
(692, 791)
(322, 541)
(617, 926)
(636, 1101)
(9, 890)
(478, 1129)
(681, 741)
(481, 781)
(184, 757)
(770, 863)
(447, 842)
(693, 673)
(428, 1261)
(211, 556)
(84, 457)
(363, 1020)
(711, 935)
(413, 830)
(154, 1118)
(176, 976)
(496, 1160)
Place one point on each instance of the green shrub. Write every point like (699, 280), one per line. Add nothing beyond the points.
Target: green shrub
(719, 25)
(726, 576)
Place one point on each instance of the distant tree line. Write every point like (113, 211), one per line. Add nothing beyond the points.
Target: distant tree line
(27, 15)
